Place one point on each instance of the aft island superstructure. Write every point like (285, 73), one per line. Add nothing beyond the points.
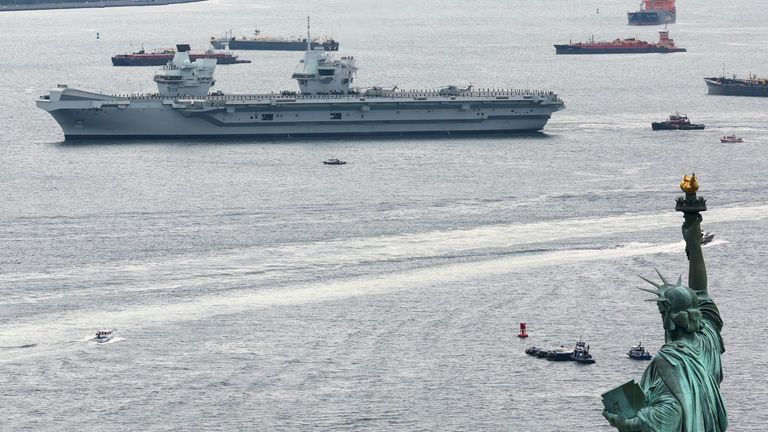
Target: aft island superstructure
(326, 104)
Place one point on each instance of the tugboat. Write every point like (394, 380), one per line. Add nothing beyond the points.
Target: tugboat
(676, 121)
(257, 41)
(581, 353)
(104, 335)
(334, 161)
(731, 139)
(639, 353)
(621, 46)
(653, 12)
(523, 331)
(706, 237)
(752, 86)
(160, 57)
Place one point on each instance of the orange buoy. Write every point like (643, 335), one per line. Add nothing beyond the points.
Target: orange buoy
(523, 331)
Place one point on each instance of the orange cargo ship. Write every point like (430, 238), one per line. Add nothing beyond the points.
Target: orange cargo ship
(621, 46)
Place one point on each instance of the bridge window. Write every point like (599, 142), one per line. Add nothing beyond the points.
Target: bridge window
(325, 72)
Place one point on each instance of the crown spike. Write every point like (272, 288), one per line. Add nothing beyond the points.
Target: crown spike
(650, 291)
(680, 280)
(664, 280)
(650, 282)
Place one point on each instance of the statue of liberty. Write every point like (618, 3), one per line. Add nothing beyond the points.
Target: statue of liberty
(681, 386)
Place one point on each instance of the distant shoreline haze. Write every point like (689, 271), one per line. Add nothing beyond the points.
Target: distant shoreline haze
(20, 5)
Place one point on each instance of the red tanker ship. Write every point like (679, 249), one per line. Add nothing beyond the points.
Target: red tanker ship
(621, 46)
(163, 56)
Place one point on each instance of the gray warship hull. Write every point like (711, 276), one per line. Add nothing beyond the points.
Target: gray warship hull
(88, 115)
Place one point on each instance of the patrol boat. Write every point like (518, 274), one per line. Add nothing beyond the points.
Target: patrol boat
(326, 104)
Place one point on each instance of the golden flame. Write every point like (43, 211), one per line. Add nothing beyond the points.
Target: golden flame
(690, 184)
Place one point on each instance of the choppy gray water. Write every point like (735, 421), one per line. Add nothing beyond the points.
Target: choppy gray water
(256, 289)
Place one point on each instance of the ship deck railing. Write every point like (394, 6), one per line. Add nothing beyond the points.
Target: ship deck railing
(400, 94)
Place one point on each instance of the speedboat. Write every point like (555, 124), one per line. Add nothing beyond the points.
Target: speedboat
(639, 353)
(104, 335)
(334, 161)
(706, 237)
(731, 139)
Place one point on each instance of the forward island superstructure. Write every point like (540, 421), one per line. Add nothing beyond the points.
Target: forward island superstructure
(325, 104)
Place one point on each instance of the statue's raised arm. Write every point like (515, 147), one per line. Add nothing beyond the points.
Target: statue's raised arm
(692, 206)
(697, 270)
(681, 386)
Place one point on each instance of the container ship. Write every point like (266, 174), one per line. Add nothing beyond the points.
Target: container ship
(325, 105)
(653, 12)
(621, 46)
(751, 86)
(162, 56)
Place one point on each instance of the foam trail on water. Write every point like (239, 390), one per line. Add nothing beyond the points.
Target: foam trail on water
(262, 266)
(235, 302)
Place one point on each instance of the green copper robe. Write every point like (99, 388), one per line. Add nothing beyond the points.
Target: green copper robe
(682, 383)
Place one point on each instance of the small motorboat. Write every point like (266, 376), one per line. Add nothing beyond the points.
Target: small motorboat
(639, 353)
(731, 139)
(334, 161)
(706, 237)
(104, 335)
(581, 353)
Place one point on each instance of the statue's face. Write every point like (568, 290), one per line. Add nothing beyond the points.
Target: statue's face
(664, 311)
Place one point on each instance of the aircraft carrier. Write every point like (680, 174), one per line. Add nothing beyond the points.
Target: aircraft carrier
(326, 104)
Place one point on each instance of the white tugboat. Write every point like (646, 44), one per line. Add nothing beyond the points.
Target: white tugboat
(326, 104)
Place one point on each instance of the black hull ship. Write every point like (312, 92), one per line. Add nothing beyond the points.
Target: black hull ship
(258, 41)
(676, 121)
(752, 86)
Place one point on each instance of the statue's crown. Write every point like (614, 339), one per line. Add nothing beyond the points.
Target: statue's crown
(677, 296)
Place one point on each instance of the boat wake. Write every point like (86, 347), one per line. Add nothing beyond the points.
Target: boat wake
(111, 341)
(334, 290)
